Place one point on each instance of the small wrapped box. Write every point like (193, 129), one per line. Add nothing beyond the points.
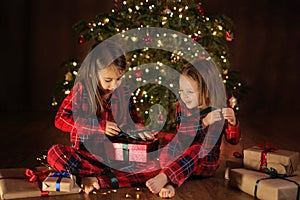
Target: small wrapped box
(14, 184)
(232, 164)
(131, 150)
(60, 181)
(261, 186)
(284, 161)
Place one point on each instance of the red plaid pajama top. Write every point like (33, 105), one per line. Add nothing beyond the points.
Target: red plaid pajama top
(73, 115)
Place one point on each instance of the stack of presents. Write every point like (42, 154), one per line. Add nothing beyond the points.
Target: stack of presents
(266, 173)
(24, 183)
(43, 180)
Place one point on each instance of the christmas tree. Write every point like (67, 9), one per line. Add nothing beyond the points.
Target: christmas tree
(213, 32)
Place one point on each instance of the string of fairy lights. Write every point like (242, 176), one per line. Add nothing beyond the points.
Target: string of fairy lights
(189, 18)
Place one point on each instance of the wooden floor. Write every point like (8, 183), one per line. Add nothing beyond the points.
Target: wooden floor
(26, 136)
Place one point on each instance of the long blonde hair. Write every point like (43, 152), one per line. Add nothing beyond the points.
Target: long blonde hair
(103, 55)
(204, 96)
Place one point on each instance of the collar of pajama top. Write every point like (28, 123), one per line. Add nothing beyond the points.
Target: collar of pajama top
(189, 122)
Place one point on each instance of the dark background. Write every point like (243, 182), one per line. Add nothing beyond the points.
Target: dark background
(266, 52)
(37, 36)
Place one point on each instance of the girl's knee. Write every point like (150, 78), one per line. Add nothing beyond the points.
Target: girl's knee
(54, 149)
(55, 152)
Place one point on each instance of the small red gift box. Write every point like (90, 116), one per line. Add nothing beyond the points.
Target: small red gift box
(130, 150)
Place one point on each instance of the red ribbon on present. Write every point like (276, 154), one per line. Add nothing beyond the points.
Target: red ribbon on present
(263, 158)
(32, 176)
(44, 193)
(38, 176)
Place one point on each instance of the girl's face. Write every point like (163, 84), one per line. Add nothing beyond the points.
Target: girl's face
(188, 90)
(110, 78)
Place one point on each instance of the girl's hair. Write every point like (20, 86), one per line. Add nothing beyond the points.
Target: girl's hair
(204, 97)
(103, 55)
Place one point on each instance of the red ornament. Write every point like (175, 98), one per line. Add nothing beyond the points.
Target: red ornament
(195, 38)
(233, 102)
(90, 25)
(116, 4)
(138, 73)
(161, 117)
(202, 57)
(147, 39)
(200, 9)
(229, 36)
(81, 40)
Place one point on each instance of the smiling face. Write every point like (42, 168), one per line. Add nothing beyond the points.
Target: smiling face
(110, 79)
(189, 91)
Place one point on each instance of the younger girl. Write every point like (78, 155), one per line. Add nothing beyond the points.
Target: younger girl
(194, 99)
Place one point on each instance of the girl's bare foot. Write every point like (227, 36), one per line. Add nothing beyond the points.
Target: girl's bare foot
(167, 192)
(157, 183)
(89, 184)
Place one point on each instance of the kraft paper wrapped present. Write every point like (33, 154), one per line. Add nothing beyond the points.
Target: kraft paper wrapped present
(232, 164)
(131, 150)
(14, 184)
(284, 161)
(260, 184)
(60, 181)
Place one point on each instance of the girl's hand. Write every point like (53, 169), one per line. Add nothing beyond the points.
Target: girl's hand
(229, 115)
(147, 135)
(112, 129)
(212, 117)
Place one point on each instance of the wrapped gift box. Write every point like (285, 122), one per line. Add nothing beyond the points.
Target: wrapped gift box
(130, 150)
(284, 161)
(60, 181)
(232, 164)
(297, 172)
(267, 189)
(14, 185)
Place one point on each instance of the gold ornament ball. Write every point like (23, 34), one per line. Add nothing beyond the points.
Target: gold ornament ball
(68, 76)
(232, 102)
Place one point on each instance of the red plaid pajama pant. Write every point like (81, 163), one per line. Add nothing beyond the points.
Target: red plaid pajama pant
(82, 163)
(189, 162)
